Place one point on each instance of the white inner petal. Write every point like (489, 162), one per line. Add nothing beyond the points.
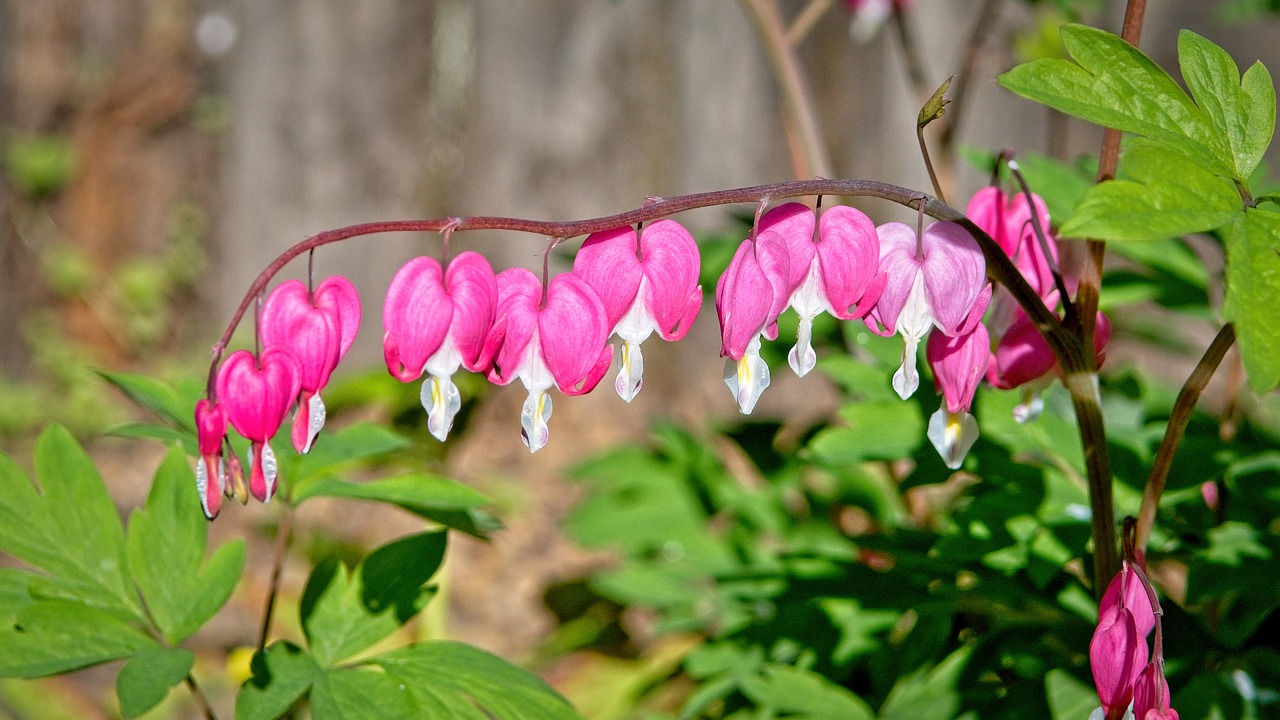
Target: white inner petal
(952, 434)
(630, 370)
(269, 470)
(748, 377)
(914, 323)
(802, 357)
(533, 420)
(316, 415)
(442, 401)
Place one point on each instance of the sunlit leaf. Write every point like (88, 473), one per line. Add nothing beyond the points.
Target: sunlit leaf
(54, 636)
(145, 680)
(1253, 285)
(1242, 110)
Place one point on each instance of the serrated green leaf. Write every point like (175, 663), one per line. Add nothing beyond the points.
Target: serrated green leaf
(1162, 195)
(1253, 284)
(146, 679)
(281, 676)
(1242, 111)
(155, 396)
(362, 694)
(802, 694)
(454, 680)
(54, 636)
(880, 430)
(70, 530)
(345, 612)
(166, 549)
(1114, 84)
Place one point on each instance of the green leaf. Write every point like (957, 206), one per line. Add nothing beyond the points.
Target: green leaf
(1069, 699)
(803, 694)
(163, 433)
(1243, 112)
(454, 680)
(436, 498)
(362, 694)
(14, 594)
(345, 612)
(54, 636)
(928, 694)
(145, 680)
(1167, 196)
(281, 676)
(71, 530)
(155, 396)
(166, 549)
(880, 430)
(1253, 284)
(357, 442)
(1112, 83)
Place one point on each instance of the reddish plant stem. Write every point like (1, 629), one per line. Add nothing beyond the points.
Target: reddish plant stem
(1178, 419)
(283, 534)
(201, 701)
(1084, 388)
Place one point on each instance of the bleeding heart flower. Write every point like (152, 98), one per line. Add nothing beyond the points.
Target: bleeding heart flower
(257, 393)
(319, 327)
(646, 282)
(439, 322)
(959, 364)
(869, 15)
(750, 295)
(560, 342)
(841, 277)
(1151, 694)
(211, 471)
(1116, 655)
(1022, 358)
(937, 280)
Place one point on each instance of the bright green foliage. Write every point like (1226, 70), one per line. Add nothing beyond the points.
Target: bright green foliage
(433, 497)
(1114, 84)
(166, 549)
(67, 528)
(282, 675)
(344, 612)
(53, 636)
(145, 680)
(1253, 286)
(1160, 195)
(1193, 173)
(1243, 110)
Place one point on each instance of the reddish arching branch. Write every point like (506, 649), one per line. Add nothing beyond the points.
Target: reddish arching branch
(1064, 344)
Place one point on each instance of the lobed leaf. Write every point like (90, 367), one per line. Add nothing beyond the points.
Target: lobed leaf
(1112, 83)
(155, 396)
(70, 530)
(166, 550)
(1167, 196)
(799, 693)
(1243, 111)
(362, 694)
(454, 680)
(345, 612)
(281, 676)
(55, 636)
(1253, 284)
(146, 679)
(434, 497)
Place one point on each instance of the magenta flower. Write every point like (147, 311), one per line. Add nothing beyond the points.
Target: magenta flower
(319, 327)
(646, 282)
(841, 277)
(257, 393)
(1151, 694)
(1118, 651)
(937, 280)
(959, 364)
(1008, 222)
(211, 471)
(750, 295)
(439, 321)
(558, 342)
(1023, 359)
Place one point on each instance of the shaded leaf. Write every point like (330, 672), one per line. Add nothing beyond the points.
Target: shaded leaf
(155, 396)
(1069, 699)
(146, 679)
(880, 430)
(1167, 196)
(928, 693)
(1253, 284)
(345, 612)
(803, 694)
(362, 693)
(281, 676)
(166, 548)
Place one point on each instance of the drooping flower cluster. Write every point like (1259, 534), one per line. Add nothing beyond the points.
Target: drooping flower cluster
(1118, 653)
(927, 284)
(304, 335)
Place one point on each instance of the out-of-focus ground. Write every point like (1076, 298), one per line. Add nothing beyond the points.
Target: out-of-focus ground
(158, 154)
